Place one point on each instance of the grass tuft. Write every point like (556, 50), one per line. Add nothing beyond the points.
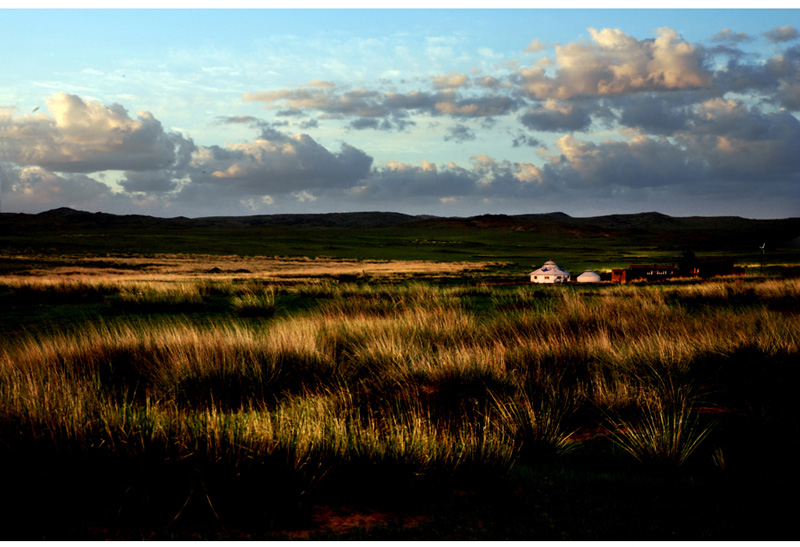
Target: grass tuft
(261, 304)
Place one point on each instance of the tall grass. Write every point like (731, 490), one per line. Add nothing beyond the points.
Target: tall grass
(255, 304)
(415, 379)
(666, 428)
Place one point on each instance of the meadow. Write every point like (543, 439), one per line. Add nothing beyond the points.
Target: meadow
(197, 397)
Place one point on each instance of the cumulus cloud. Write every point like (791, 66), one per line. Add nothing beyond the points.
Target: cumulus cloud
(322, 84)
(777, 79)
(740, 143)
(149, 181)
(502, 178)
(245, 120)
(403, 180)
(616, 63)
(785, 33)
(489, 105)
(303, 196)
(535, 46)
(728, 35)
(485, 179)
(726, 148)
(602, 167)
(282, 164)
(609, 118)
(86, 136)
(259, 175)
(29, 187)
(393, 107)
(554, 115)
(51, 153)
(35, 189)
(327, 99)
(398, 122)
(488, 81)
(460, 133)
(370, 123)
(649, 84)
(525, 140)
(657, 113)
(729, 149)
(788, 95)
(451, 81)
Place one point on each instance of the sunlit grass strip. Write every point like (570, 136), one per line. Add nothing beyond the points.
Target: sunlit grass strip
(259, 304)
(161, 296)
(175, 268)
(309, 434)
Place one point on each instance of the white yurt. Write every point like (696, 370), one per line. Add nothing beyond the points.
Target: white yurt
(549, 273)
(588, 277)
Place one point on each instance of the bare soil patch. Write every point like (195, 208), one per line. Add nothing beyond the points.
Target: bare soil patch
(340, 520)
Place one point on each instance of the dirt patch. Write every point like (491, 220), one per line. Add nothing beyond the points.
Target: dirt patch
(340, 520)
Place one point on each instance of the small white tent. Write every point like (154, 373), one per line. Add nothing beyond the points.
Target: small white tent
(588, 277)
(549, 273)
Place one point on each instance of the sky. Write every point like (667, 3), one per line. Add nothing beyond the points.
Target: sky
(451, 112)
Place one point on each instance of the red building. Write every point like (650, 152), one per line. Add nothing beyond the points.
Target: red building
(690, 267)
(638, 272)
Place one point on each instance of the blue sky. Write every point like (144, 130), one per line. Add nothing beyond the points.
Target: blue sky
(448, 112)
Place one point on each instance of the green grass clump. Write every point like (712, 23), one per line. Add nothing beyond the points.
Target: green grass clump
(665, 430)
(160, 298)
(262, 304)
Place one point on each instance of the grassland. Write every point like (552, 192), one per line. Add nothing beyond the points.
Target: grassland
(212, 396)
(518, 242)
(246, 408)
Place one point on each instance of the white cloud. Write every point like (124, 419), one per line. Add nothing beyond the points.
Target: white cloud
(535, 46)
(616, 63)
(282, 164)
(728, 35)
(304, 196)
(555, 115)
(784, 33)
(451, 81)
(674, 125)
(35, 189)
(84, 136)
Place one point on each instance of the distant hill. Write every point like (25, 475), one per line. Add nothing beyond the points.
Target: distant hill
(525, 239)
(651, 221)
(66, 217)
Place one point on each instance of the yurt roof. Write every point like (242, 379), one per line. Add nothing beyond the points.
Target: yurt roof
(550, 268)
(588, 274)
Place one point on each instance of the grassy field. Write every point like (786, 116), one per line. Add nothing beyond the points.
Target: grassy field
(517, 242)
(377, 376)
(151, 397)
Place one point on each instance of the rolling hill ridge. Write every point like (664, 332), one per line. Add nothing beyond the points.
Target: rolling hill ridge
(529, 238)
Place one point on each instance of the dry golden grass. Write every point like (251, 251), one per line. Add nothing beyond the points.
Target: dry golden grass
(168, 268)
(414, 375)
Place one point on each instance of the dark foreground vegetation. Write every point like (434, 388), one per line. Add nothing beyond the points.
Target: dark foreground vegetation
(401, 410)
